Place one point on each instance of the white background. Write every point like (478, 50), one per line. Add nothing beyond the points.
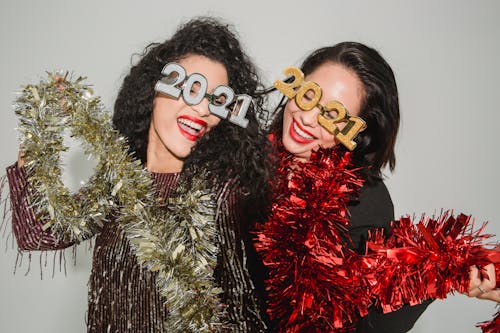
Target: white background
(445, 55)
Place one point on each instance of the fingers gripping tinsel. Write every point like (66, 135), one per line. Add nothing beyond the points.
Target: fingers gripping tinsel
(427, 260)
(493, 326)
(181, 245)
(312, 286)
(45, 111)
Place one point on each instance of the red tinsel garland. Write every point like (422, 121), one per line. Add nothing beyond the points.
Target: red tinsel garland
(428, 260)
(313, 282)
(492, 326)
(317, 284)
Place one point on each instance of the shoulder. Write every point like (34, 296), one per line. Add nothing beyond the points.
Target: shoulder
(374, 207)
(227, 190)
(372, 210)
(230, 199)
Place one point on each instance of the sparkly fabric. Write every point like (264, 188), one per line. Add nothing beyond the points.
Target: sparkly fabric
(27, 230)
(232, 272)
(122, 295)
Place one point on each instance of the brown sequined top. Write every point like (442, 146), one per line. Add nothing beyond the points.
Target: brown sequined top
(122, 295)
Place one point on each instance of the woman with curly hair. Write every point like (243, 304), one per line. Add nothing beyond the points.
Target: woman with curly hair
(176, 142)
(328, 198)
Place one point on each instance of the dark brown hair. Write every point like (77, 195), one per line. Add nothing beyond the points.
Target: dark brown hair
(379, 108)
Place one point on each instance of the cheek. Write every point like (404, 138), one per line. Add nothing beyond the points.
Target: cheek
(289, 113)
(291, 106)
(164, 117)
(287, 121)
(164, 110)
(157, 115)
(327, 140)
(287, 116)
(213, 121)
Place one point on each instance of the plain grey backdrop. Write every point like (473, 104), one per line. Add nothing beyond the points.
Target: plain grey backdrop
(445, 55)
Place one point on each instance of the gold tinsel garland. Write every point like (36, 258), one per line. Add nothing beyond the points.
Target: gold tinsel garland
(179, 242)
(45, 111)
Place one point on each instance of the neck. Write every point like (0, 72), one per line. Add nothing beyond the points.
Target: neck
(158, 163)
(159, 159)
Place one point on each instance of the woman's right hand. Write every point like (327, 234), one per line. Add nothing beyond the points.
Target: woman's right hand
(20, 161)
(483, 284)
(492, 295)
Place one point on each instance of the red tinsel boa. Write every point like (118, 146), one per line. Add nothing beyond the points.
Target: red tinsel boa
(491, 326)
(310, 289)
(427, 260)
(318, 284)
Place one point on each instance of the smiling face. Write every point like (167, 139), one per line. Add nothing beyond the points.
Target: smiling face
(175, 126)
(301, 132)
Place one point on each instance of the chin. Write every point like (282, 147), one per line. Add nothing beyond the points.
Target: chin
(296, 151)
(182, 152)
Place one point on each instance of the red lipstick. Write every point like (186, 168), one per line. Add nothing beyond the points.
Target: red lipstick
(191, 127)
(298, 137)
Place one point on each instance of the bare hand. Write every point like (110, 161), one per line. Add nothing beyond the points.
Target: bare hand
(20, 161)
(483, 283)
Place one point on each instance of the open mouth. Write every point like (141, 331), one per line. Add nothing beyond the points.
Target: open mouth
(192, 128)
(299, 134)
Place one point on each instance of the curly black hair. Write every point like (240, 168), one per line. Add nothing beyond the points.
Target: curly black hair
(379, 108)
(227, 151)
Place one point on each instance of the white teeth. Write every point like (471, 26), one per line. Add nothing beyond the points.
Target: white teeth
(301, 132)
(191, 124)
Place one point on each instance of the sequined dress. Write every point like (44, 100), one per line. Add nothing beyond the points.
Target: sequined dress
(122, 295)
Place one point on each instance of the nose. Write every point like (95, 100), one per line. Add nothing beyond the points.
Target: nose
(202, 108)
(310, 118)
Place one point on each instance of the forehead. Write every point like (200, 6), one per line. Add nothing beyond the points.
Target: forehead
(340, 84)
(214, 71)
